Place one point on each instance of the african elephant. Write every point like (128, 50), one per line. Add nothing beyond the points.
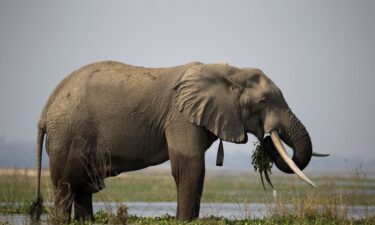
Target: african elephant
(108, 117)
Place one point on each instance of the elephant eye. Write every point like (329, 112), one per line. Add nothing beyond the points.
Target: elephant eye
(263, 100)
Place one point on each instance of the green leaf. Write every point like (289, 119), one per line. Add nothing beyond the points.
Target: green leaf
(260, 159)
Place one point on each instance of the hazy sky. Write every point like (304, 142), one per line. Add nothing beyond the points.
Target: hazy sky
(320, 53)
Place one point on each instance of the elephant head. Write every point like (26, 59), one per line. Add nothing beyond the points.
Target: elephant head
(231, 102)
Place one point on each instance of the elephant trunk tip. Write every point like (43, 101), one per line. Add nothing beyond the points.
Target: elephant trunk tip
(295, 136)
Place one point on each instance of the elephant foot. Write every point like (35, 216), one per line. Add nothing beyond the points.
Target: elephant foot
(191, 215)
(83, 209)
(61, 214)
(63, 205)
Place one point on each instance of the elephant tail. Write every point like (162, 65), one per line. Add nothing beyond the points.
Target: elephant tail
(37, 206)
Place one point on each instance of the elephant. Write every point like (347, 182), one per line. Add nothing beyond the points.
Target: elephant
(109, 117)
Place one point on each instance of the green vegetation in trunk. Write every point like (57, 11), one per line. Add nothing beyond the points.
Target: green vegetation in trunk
(262, 162)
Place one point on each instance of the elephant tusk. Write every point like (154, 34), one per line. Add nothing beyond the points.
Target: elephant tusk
(317, 154)
(280, 148)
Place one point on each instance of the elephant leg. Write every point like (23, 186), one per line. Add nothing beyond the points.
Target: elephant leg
(186, 146)
(188, 173)
(72, 169)
(63, 192)
(63, 202)
(83, 206)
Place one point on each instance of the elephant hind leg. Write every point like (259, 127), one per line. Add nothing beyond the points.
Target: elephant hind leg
(83, 209)
(63, 203)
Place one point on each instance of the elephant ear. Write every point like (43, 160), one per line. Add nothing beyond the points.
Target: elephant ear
(208, 99)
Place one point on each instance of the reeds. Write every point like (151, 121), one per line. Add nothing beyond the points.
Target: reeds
(330, 202)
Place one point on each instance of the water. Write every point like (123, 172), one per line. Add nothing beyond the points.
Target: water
(156, 209)
(227, 210)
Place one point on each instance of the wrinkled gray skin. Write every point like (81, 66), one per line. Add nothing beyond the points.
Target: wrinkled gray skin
(109, 117)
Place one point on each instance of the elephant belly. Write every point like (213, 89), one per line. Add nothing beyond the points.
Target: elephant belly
(132, 155)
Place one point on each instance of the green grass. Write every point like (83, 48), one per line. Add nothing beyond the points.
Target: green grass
(105, 218)
(236, 187)
(288, 220)
(268, 221)
(326, 205)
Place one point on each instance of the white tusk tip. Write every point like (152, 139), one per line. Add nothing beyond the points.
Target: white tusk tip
(313, 185)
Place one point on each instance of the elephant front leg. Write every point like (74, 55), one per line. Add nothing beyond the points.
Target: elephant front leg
(186, 146)
(83, 207)
(188, 173)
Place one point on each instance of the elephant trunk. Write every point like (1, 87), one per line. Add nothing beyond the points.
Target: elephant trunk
(296, 136)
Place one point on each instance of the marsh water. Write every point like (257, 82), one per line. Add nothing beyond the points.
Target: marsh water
(227, 210)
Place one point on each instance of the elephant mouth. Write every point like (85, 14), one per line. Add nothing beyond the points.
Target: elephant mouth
(260, 131)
